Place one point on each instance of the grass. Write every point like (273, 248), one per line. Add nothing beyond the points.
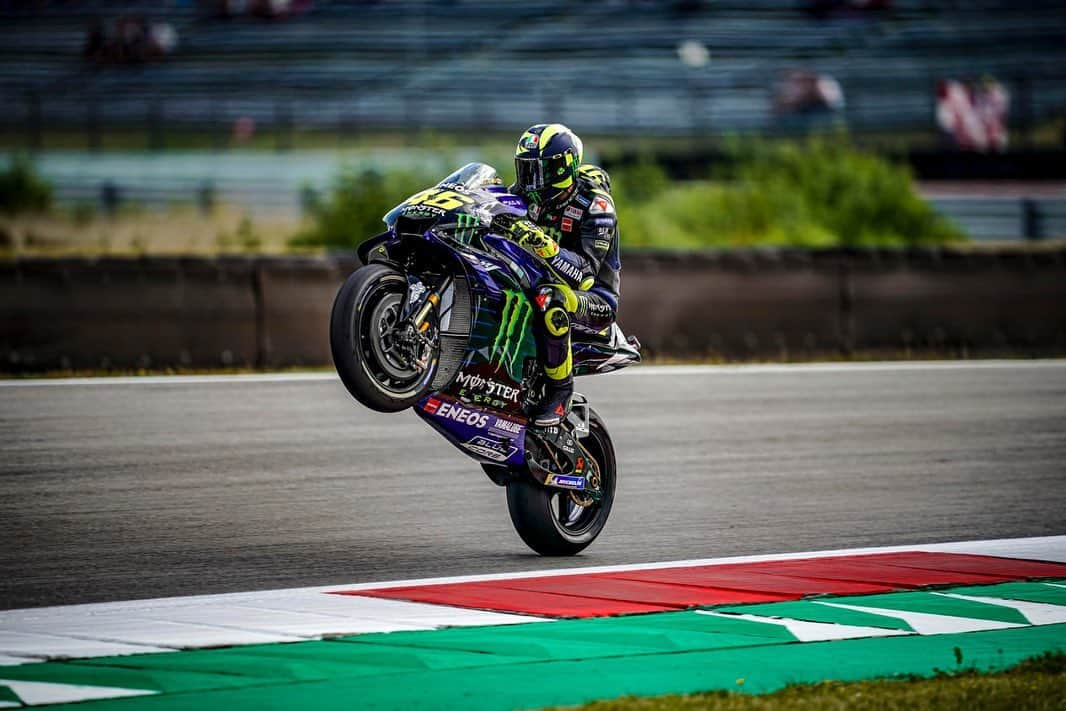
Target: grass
(178, 230)
(809, 194)
(1036, 684)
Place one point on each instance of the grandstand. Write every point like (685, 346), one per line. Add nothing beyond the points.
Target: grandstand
(602, 67)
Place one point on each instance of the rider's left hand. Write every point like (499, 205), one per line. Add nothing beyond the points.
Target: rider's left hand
(527, 236)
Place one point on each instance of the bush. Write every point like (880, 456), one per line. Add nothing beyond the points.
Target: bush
(817, 194)
(22, 189)
(814, 194)
(356, 203)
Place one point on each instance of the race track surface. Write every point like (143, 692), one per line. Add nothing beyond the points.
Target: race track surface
(121, 489)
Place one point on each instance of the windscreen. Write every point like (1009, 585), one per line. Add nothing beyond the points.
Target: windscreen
(473, 175)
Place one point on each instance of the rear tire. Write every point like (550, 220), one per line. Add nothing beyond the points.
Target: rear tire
(366, 307)
(535, 510)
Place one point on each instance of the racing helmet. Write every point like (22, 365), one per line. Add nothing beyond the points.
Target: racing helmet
(546, 163)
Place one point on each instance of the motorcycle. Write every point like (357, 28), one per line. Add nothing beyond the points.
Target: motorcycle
(439, 319)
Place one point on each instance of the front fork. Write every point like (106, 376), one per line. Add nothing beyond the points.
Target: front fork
(419, 303)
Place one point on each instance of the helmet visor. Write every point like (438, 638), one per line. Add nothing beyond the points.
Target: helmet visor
(529, 174)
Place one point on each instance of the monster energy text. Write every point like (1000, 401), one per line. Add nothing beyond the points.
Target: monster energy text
(513, 323)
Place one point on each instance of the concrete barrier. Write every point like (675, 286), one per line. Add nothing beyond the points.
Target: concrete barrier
(127, 313)
(958, 302)
(732, 304)
(267, 312)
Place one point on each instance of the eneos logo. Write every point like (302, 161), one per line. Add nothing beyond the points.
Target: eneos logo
(455, 412)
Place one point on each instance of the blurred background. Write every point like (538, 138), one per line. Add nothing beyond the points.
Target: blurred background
(288, 127)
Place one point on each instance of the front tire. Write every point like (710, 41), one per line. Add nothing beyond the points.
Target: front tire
(365, 314)
(548, 520)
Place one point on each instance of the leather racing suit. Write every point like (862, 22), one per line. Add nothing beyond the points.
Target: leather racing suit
(578, 238)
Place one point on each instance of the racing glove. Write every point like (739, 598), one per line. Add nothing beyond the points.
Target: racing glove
(526, 235)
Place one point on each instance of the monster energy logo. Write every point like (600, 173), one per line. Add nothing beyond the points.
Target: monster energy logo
(513, 323)
(464, 227)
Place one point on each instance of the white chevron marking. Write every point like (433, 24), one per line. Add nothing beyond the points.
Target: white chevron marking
(1038, 613)
(39, 692)
(925, 623)
(806, 631)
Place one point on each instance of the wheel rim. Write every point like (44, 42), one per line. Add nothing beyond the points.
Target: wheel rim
(386, 346)
(380, 348)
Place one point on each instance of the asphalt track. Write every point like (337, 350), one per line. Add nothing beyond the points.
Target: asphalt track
(125, 489)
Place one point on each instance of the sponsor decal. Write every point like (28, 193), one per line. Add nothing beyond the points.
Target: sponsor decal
(490, 448)
(512, 330)
(604, 231)
(567, 482)
(573, 212)
(567, 269)
(421, 211)
(601, 206)
(542, 301)
(415, 291)
(567, 224)
(530, 141)
(465, 226)
(457, 413)
(599, 308)
(492, 388)
(507, 426)
(512, 201)
(582, 200)
(602, 244)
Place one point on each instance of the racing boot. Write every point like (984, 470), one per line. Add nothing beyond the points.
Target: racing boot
(551, 444)
(554, 406)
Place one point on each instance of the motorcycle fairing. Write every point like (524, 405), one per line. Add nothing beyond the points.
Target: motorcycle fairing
(494, 438)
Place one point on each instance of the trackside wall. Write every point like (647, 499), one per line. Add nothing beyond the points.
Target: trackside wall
(265, 311)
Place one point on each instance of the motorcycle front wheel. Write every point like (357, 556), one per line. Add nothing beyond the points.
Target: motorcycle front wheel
(372, 353)
(551, 521)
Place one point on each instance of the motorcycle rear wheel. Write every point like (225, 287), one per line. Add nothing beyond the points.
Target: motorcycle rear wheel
(362, 341)
(548, 520)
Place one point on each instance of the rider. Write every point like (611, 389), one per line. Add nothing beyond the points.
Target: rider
(571, 224)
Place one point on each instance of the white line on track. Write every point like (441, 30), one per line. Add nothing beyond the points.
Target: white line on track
(848, 367)
(175, 379)
(644, 370)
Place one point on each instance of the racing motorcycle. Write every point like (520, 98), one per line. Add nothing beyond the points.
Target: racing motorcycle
(438, 319)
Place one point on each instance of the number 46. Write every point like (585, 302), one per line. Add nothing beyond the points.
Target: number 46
(438, 197)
